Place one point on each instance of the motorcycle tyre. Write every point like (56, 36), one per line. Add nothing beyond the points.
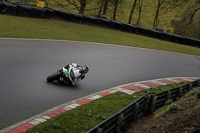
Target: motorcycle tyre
(55, 76)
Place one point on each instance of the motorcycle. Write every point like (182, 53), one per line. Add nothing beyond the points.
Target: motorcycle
(70, 74)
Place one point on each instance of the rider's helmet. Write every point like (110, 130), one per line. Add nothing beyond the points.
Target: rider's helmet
(86, 68)
(74, 65)
(67, 66)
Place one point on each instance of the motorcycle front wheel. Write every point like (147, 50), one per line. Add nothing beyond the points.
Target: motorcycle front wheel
(54, 76)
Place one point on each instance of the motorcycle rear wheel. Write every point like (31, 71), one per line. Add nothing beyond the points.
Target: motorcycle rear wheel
(55, 76)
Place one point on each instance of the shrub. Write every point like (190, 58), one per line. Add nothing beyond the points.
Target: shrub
(56, 125)
(173, 107)
(168, 102)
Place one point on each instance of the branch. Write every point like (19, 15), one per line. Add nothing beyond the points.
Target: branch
(192, 16)
(91, 9)
(74, 4)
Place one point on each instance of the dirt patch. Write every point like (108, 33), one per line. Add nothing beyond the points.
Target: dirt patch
(184, 120)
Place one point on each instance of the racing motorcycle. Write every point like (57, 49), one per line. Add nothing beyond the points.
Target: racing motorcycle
(70, 74)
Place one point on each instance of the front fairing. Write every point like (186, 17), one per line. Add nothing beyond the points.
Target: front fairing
(66, 72)
(70, 70)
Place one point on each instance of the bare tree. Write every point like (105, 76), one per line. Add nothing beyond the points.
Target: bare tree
(189, 22)
(80, 5)
(101, 3)
(193, 8)
(115, 3)
(160, 5)
(132, 11)
(46, 3)
(140, 11)
(103, 6)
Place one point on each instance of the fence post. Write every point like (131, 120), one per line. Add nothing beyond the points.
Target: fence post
(146, 104)
(198, 83)
(153, 102)
(168, 95)
(180, 90)
(119, 122)
(99, 130)
(190, 86)
(135, 110)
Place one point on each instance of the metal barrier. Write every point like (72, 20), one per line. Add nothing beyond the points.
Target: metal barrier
(133, 110)
(144, 105)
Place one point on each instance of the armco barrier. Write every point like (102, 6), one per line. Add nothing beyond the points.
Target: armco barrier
(167, 36)
(142, 31)
(144, 105)
(39, 13)
(24, 11)
(49, 13)
(9, 9)
(114, 123)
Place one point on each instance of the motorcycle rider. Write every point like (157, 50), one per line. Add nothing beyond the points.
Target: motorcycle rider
(77, 73)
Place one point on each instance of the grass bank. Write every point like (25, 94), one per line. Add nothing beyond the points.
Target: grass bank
(85, 117)
(182, 116)
(19, 27)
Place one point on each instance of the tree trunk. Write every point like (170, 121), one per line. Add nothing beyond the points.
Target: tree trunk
(132, 11)
(115, 9)
(155, 22)
(105, 7)
(101, 7)
(83, 5)
(140, 11)
(46, 3)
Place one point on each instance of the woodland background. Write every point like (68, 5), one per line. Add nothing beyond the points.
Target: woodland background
(180, 17)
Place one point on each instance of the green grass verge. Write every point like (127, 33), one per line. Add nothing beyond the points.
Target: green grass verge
(19, 27)
(87, 116)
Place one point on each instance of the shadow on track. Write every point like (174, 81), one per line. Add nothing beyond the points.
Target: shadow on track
(63, 85)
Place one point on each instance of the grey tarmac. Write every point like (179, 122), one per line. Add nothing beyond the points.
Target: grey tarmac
(25, 64)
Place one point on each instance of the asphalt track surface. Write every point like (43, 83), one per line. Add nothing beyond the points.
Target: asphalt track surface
(25, 64)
